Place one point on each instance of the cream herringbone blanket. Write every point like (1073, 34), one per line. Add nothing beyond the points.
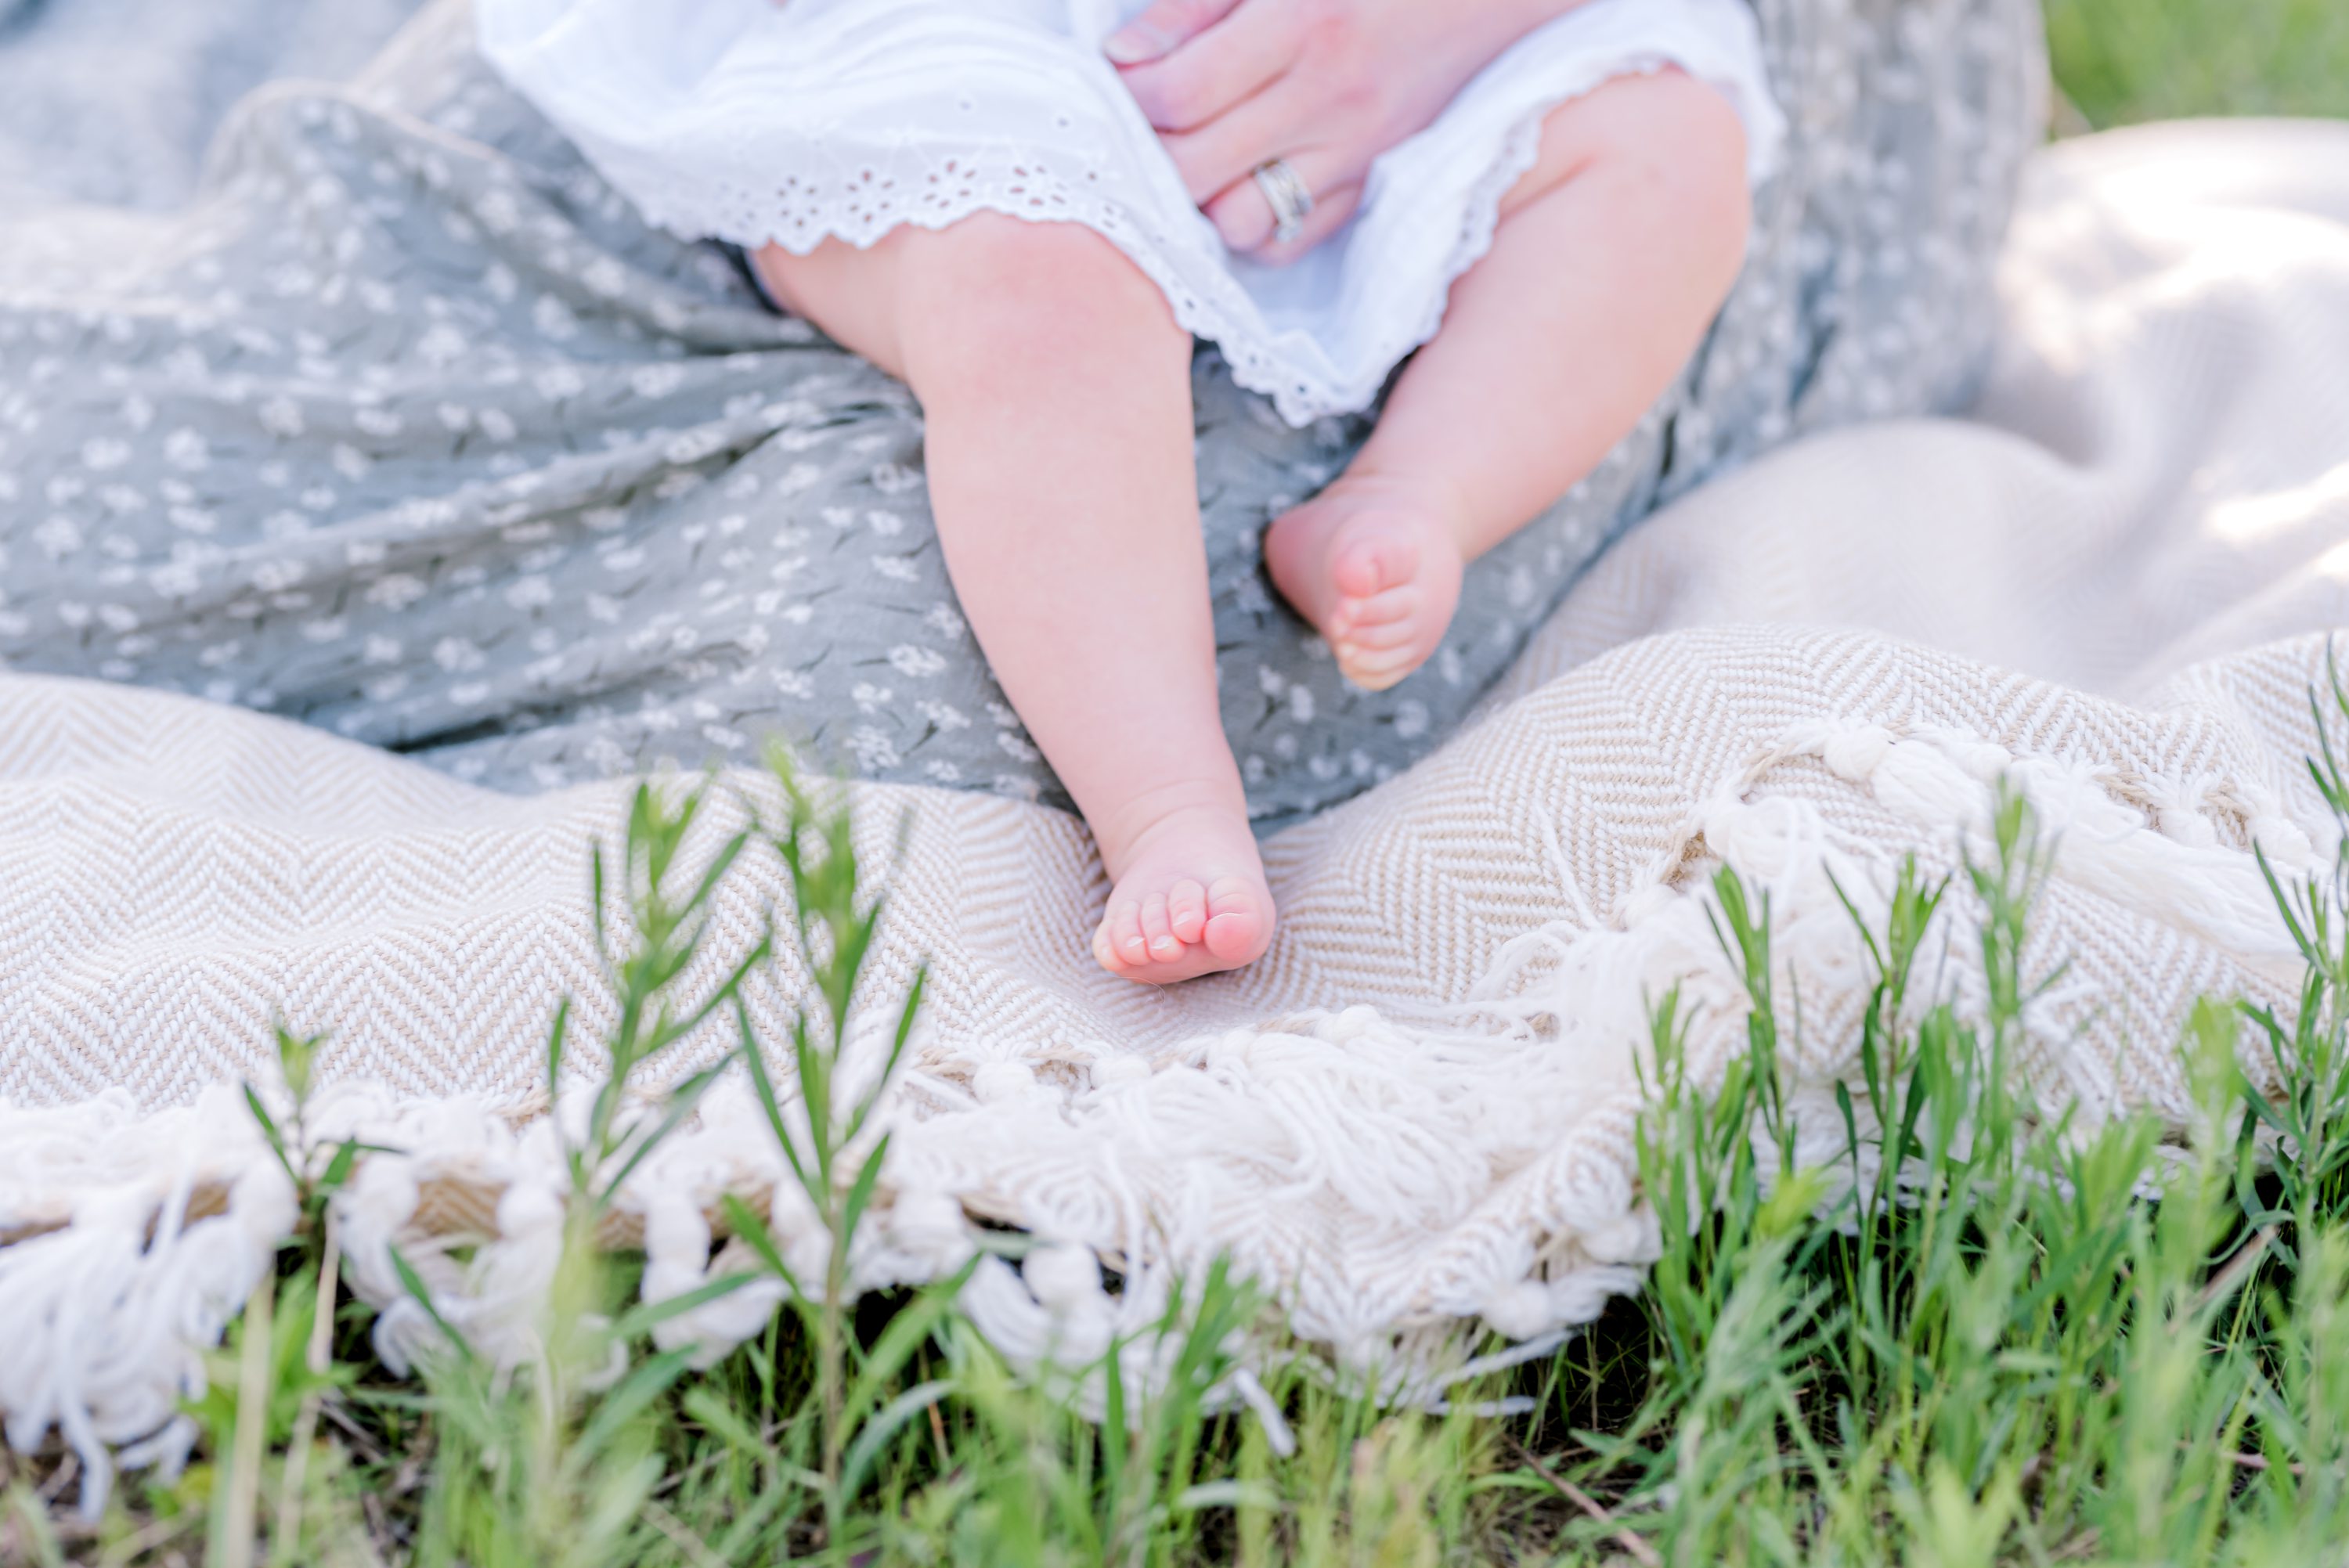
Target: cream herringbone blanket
(2112, 587)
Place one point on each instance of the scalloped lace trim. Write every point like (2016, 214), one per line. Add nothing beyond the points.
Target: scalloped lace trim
(1020, 182)
(877, 195)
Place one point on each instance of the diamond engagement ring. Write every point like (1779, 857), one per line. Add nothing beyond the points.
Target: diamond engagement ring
(1284, 190)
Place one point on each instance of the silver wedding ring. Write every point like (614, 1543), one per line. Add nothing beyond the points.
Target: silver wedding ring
(1284, 190)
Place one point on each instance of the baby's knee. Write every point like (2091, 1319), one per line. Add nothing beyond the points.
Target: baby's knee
(1006, 281)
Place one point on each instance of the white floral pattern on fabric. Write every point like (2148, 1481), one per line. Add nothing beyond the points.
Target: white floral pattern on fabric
(113, 100)
(843, 120)
(411, 428)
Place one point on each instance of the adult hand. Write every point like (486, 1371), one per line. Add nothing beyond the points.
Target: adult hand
(1327, 84)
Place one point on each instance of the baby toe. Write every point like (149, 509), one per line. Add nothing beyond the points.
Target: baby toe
(1235, 938)
(1125, 931)
(1186, 910)
(1236, 926)
(1382, 608)
(1164, 946)
(1376, 670)
(1380, 637)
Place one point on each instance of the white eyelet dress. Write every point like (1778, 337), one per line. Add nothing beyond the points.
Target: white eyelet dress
(756, 123)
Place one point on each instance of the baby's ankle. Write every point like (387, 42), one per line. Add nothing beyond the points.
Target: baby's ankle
(1127, 829)
(1423, 489)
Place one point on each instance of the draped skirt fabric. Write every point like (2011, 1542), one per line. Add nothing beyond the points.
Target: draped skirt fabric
(841, 119)
(411, 426)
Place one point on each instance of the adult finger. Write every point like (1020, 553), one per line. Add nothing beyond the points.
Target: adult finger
(1229, 145)
(1243, 215)
(1165, 27)
(1219, 69)
(1251, 216)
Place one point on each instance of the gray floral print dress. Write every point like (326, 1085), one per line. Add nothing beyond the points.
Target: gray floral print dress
(407, 427)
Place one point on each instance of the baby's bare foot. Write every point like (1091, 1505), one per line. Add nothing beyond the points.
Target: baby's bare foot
(1373, 562)
(1190, 899)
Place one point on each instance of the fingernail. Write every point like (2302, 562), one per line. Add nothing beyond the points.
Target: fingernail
(1132, 46)
(1167, 945)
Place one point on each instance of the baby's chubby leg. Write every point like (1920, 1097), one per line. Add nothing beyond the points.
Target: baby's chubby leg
(1612, 256)
(1056, 389)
